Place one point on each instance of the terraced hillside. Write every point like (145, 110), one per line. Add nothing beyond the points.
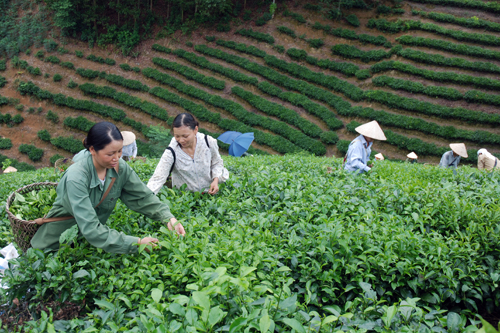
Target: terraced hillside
(429, 74)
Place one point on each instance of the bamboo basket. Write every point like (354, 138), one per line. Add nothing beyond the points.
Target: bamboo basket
(22, 230)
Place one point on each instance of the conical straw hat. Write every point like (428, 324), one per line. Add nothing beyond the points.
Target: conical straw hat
(128, 138)
(412, 155)
(371, 130)
(379, 156)
(10, 169)
(459, 149)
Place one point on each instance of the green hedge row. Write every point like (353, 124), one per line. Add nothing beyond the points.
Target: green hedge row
(474, 96)
(67, 143)
(417, 88)
(3, 81)
(101, 60)
(127, 83)
(439, 60)
(345, 68)
(453, 77)
(53, 59)
(328, 81)
(286, 31)
(35, 154)
(241, 47)
(289, 116)
(246, 117)
(44, 135)
(262, 37)
(491, 6)
(5, 143)
(20, 166)
(469, 50)
(79, 123)
(68, 64)
(9, 120)
(352, 35)
(190, 73)
(87, 73)
(3, 64)
(160, 48)
(344, 108)
(204, 63)
(414, 105)
(311, 107)
(400, 25)
(29, 88)
(471, 22)
(127, 99)
(352, 52)
(296, 16)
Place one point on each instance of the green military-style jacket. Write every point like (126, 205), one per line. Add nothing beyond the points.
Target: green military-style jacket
(80, 190)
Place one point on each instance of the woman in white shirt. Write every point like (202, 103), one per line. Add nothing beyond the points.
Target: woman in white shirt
(192, 158)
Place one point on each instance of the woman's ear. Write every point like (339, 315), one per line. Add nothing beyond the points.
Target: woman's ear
(196, 130)
(92, 150)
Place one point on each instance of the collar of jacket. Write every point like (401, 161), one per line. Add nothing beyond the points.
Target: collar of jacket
(95, 179)
(364, 142)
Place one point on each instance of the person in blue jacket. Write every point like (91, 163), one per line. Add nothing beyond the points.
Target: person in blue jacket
(359, 151)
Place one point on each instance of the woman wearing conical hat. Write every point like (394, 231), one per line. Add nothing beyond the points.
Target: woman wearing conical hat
(451, 158)
(129, 146)
(485, 161)
(360, 148)
(411, 158)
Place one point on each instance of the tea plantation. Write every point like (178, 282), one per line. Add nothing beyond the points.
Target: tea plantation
(285, 246)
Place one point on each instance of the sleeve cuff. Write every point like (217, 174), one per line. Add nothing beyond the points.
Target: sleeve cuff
(367, 168)
(131, 240)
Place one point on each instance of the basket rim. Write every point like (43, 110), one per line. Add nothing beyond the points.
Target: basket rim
(21, 190)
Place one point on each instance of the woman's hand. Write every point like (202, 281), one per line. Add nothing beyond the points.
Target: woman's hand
(214, 187)
(174, 224)
(148, 241)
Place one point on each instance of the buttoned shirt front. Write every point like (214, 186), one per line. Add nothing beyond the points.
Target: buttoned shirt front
(358, 154)
(80, 190)
(197, 172)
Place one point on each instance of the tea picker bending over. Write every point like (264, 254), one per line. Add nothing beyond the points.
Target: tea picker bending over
(87, 195)
(360, 148)
(192, 158)
(486, 161)
(451, 158)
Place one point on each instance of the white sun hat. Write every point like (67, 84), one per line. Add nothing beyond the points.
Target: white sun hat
(412, 155)
(459, 149)
(379, 156)
(128, 137)
(371, 130)
(10, 169)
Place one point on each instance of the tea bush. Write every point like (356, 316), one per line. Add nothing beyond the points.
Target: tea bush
(351, 34)
(286, 31)
(353, 20)
(52, 116)
(284, 246)
(256, 35)
(44, 135)
(5, 143)
(57, 77)
(35, 154)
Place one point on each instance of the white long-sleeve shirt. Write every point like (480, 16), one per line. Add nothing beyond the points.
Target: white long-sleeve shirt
(197, 173)
(358, 154)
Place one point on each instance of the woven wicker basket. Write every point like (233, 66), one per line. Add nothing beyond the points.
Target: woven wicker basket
(24, 230)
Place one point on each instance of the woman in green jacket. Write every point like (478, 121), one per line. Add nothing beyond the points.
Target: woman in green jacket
(82, 188)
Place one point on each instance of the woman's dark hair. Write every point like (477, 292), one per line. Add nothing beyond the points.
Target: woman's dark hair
(185, 119)
(101, 134)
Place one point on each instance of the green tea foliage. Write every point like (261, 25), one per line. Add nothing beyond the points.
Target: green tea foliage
(34, 70)
(263, 19)
(161, 48)
(3, 64)
(241, 47)
(352, 52)
(127, 83)
(469, 50)
(283, 224)
(352, 20)
(52, 59)
(17, 119)
(296, 54)
(262, 37)
(296, 16)
(80, 123)
(363, 74)
(67, 143)
(316, 43)
(470, 22)
(40, 54)
(490, 6)
(57, 77)
(452, 77)
(5, 143)
(52, 116)
(286, 31)
(50, 45)
(44, 135)
(279, 48)
(68, 64)
(79, 54)
(125, 67)
(3, 81)
(87, 73)
(35, 154)
(72, 84)
(101, 60)
(190, 73)
(352, 35)
(417, 88)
